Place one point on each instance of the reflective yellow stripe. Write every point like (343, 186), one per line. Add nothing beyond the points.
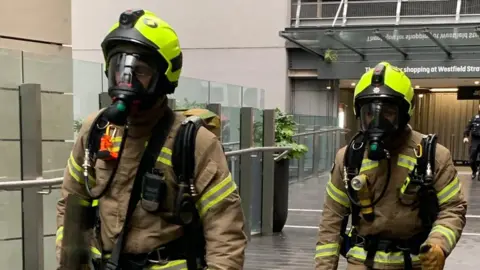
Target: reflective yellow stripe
(449, 191)
(327, 250)
(173, 265)
(336, 194)
(96, 254)
(116, 141)
(406, 162)
(94, 203)
(380, 256)
(449, 234)
(216, 194)
(368, 164)
(165, 156)
(59, 234)
(76, 171)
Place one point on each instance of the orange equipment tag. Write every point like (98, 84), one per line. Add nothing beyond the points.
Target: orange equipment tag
(106, 145)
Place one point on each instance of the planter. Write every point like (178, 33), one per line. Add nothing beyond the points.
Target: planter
(280, 194)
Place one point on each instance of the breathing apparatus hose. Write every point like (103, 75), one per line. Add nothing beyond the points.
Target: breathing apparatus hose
(389, 172)
(114, 170)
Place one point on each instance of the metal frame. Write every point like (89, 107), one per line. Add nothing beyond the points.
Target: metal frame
(31, 168)
(437, 42)
(306, 48)
(458, 10)
(338, 13)
(379, 26)
(268, 172)
(301, 161)
(331, 34)
(104, 100)
(384, 39)
(246, 141)
(398, 12)
(297, 13)
(172, 103)
(45, 183)
(298, 21)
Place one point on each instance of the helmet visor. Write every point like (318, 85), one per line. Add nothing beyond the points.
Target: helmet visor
(379, 116)
(130, 72)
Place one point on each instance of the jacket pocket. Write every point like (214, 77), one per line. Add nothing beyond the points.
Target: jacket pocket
(103, 172)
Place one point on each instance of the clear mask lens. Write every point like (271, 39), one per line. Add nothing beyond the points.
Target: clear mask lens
(129, 72)
(379, 116)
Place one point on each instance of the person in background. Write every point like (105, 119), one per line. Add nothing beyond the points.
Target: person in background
(473, 130)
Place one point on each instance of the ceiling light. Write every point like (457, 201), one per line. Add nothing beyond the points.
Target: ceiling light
(444, 89)
(420, 96)
(417, 86)
(477, 82)
(353, 84)
(328, 87)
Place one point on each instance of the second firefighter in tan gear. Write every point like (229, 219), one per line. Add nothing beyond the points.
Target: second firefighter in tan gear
(395, 217)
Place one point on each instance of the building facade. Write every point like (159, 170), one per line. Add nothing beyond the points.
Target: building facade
(35, 47)
(332, 43)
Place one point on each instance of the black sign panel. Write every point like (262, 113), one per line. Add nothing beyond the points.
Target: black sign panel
(468, 92)
(458, 68)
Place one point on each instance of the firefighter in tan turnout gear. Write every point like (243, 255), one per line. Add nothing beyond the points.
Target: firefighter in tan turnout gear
(152, 204)
(399, 187)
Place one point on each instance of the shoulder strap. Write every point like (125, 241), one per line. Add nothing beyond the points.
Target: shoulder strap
(183, 158)
(183, 161)
(426, 158)
(354, 155)
(425, 174)
(95, 133)
(157, 140)
(353, 162)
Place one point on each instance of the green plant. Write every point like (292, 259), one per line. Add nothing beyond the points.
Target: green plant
(77, 125)
(330, 56)
(284, 131)
(258, 133)
(186, 105)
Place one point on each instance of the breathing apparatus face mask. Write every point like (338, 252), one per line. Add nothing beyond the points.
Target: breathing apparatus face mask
(379, 120)
(132, 85)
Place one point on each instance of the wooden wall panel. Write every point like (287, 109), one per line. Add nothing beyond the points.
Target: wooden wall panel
(439, 113)
(443, 114)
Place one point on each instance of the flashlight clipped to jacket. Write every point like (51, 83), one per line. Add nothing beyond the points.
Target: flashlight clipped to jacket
(360, 185)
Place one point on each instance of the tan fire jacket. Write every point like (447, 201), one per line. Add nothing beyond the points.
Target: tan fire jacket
(218, 201)
(393, 219)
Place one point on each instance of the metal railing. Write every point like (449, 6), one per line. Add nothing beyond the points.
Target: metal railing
(395, 9)
(48, 183)
(256, 192)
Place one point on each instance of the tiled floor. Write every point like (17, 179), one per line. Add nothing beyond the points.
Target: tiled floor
(294, 247)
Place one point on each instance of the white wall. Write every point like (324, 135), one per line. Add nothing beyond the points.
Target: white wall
(234, 41)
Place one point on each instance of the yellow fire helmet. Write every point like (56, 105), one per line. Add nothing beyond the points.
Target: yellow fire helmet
(385, 83)
(143, 29)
